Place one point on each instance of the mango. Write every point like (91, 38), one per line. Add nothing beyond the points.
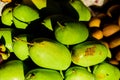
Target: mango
(51, 54)
(89, 53)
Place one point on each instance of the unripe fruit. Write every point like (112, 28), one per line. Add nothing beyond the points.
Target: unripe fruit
(20, 47)
(50, 54)
(71, 33)
(84, 13)
(78, 73)
(106, 71)
(24, 14)
(12, 70)
(19, 24)
(89, 53)
(7, 17)
(43, 74)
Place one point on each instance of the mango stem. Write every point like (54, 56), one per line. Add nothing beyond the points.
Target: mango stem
(61, 74)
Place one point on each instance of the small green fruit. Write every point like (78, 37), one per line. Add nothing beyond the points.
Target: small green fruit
(43, 74)
(19, 24)
(50, 54)
(106, 71)
(78, 73)
(12, 70)
(20, 47)
(7, 17)
(25, 14)
(83, 11)
(89, 53)
(71, 33)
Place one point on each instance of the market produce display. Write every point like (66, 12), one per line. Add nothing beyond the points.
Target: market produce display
(59, 40)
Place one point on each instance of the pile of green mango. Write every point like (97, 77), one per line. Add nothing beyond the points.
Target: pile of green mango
(50, 40)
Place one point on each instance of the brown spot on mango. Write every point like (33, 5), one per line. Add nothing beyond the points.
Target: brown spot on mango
(90, 51)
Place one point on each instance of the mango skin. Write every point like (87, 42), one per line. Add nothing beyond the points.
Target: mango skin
(19, 24)
(106, 71)
(82, 10)
(23, 13)
(71, 33)
(12, 70)
(7, 17)
(43, 74)
(89, 53)
(78, 73)
(20, 47)
(50, 54)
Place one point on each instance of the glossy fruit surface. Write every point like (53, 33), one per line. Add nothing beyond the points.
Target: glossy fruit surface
(12, 70)
(78, 73)
(89, 53)
(7, 17)
(23, 14)
(43, 74)
(83, 11)
(106, 71)
(71, 33)
(20, 47)
(19, 24)
(50, 54)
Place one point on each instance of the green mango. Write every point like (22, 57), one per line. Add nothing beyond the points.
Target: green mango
(84, 12)
(51, 54)
(24, 14)
(12, 70)
(7, 17)
(78, 73)
(19, 24)
(43, 74)
(71, 33)
(20, 47)
(89, 53)
(106, 71)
